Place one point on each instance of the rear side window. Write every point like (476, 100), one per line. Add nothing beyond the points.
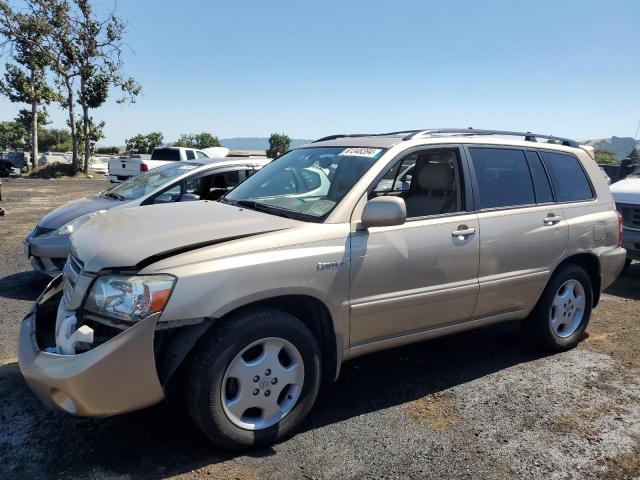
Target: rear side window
(541, 184)
(503, 177)
(569, 180)
(170, 154)
(190, 155)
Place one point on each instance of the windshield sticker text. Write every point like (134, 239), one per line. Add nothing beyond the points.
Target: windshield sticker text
(360, 152)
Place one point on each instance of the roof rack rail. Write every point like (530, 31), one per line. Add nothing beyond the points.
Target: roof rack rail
(528, 136)
(343, 135)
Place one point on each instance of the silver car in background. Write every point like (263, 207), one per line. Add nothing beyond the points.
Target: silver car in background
(47, 246)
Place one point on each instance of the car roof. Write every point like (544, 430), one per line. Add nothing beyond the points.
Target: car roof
(446, 135)
(222, 162)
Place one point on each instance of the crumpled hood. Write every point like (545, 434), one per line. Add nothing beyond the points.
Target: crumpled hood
(72, 210)
(127, 237)
(627, 191)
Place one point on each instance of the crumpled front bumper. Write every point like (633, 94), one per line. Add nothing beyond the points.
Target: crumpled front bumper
(115, 377)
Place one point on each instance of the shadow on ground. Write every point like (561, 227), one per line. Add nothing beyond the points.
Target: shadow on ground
(628, 284)
(23, 285)
(158, 443)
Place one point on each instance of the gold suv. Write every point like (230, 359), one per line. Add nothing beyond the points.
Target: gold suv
(349, 245)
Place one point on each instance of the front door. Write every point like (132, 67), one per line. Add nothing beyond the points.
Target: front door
(423, 274)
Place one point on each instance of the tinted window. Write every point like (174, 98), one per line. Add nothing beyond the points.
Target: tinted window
(190, 155)
(540, 180)
(201, 155)
(170, 154)
(503, 177)
(569, 180)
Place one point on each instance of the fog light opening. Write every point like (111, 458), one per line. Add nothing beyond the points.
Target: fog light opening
(63, 401)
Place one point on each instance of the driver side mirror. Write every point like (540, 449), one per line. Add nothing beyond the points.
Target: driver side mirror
(189, 197)
(384, 212)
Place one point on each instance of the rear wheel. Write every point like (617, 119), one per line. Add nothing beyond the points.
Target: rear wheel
(254, 379)
(564, 309)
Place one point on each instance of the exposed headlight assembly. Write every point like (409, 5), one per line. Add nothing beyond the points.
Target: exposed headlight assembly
(74, 225)
(129, 298)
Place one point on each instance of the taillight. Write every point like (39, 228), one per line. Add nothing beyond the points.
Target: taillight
(144, 167)
(620, 222)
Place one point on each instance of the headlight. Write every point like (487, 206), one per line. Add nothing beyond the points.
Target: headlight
(74, 225)
(129, 298)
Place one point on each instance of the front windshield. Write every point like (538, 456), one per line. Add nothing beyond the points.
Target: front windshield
(136, 187)
(306, 183)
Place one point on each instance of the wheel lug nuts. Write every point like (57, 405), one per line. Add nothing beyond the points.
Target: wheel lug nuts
(256, 378)
(274, 381)
(267, 372)
(256, 391)
(267, 393)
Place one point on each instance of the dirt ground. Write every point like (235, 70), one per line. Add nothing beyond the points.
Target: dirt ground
(482, 404)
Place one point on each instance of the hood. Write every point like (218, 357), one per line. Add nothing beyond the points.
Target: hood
(77, 208)
(133, 236)
(627, 191)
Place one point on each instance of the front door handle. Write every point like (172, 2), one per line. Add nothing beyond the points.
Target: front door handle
(552, 219)
(463, 231)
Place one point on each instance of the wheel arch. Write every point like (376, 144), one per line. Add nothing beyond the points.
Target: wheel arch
(590, 263)
(308, 309)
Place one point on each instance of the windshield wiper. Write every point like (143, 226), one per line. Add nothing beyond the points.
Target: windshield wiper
(116, 196)
(264, 208)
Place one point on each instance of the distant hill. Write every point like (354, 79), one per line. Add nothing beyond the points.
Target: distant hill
(255, 143)
(620, 146)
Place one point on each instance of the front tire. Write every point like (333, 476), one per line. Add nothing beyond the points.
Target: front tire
(254, 379)
(563, 312)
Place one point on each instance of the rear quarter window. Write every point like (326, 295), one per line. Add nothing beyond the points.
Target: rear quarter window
(568, 177)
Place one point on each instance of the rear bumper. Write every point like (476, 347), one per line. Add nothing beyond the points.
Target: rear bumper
(611, 265)
(117, 178)
(115, 377)
(631, 242)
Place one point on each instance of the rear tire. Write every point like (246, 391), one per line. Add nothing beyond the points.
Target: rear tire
(244, 355)
(563, 312)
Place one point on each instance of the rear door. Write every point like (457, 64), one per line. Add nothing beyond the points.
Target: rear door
(523, 231)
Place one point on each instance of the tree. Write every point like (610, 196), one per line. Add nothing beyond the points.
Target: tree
(94, 134)
(99, 61)
(144, 143)
(279, 143)
(107, 150)
(54, 140)
(606, 157)
(25, 119)
(78, 48)
(26, 80)
(13, 135)
(199, 140)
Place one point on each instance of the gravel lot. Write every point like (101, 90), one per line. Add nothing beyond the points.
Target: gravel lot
(482, 404)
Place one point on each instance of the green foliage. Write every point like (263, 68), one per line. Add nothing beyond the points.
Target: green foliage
(197, 140)
(606, 157)
(107, 150)
(144, 143)
(54, 140)
(25, 117)
(279, 143)
(95, 133)
(13, 135)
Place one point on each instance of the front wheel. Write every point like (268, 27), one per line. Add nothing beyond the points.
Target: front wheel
(253, 379)
(562, 314)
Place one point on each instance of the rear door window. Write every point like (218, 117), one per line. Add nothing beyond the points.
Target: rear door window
(569, 180)
(170, 154)
(191, 155)
(541, 184)
(503, 177)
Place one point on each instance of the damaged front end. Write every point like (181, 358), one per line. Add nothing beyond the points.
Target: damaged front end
(82, 363)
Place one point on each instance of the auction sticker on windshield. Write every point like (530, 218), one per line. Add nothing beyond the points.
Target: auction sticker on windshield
(360, 152)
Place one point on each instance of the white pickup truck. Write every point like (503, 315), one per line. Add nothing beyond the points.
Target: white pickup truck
(626, 194)
(122, 168)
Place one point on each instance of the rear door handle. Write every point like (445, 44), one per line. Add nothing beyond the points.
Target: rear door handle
(463, 231)
(552, 219)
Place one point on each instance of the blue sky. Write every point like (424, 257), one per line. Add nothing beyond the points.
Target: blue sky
(249, 68)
